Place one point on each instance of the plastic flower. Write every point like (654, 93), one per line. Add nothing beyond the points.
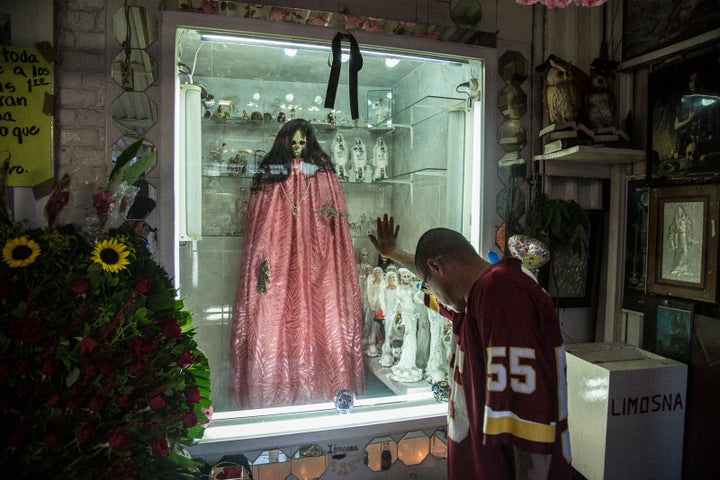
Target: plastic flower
(112, 255)
(20, 252)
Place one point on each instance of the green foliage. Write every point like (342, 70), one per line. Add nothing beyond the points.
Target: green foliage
(559, 223)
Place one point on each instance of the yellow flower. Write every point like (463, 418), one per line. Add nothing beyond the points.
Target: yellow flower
(20, 252)
(111, 255)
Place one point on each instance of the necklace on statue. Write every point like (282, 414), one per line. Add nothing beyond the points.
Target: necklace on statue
(294, 205)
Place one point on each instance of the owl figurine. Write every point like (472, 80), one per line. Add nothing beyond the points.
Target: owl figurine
(562, 97)
(600, 99)
(600, 102)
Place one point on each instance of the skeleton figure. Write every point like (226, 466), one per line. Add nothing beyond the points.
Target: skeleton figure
(406, 369)
(391, 300)
(341, 156)
(359, 160)
(375, 302)
(380, 160)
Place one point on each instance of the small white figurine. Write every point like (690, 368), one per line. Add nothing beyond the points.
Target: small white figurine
(391, 298)
(406, 369)
(359, 161)
(380, 160)
(375, 303)
(341, 156)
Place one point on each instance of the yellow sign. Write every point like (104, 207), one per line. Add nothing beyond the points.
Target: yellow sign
(25, 128)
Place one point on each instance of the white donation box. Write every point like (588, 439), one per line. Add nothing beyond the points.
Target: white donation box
(626, 410)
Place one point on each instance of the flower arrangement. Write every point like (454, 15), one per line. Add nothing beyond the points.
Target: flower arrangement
(100, 374)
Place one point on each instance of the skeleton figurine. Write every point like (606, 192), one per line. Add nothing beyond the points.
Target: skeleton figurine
(438, 365)
(359, 161)
(380, 160)
(406, 370)
(391, 300)
(341, 156)
(375, 302)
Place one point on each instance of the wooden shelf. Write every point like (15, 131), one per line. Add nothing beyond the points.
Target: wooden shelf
(587, 161)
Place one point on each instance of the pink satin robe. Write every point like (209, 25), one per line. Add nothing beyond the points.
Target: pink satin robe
(302, 340)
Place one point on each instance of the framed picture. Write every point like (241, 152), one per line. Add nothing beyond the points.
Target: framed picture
(649, 25)
(683, 242)
(669, 331)
(684, 118)
(636, 235)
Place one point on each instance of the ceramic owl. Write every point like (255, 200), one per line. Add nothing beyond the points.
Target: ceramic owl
(600, 99)
(562, 98)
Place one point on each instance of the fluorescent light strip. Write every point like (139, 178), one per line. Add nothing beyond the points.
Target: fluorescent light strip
(233, 39)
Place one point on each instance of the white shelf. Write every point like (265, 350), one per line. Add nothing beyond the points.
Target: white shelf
(587, 161)
(399, 388)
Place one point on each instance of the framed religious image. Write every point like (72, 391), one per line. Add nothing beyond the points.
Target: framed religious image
(649, 25)
(684, 118)
(683, 241)
(379, 104)
(636, 235)
(669, 328)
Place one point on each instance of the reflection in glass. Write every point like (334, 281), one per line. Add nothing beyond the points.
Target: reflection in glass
(143, 27)
(438, 444)
(309, 462)
(134, 113)
(380, 454)
(413, 448)
(271, 464)
(123, 142)
(134, 72)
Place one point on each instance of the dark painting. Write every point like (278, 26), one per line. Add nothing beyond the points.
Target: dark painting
(653, 24)
(684, 101)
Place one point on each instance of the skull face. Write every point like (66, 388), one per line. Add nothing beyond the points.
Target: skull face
(406, 276)
(440, 390)
(344, 401)
(298, 144)
(691, 152)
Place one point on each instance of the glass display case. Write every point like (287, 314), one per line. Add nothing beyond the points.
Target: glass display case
(422, 139)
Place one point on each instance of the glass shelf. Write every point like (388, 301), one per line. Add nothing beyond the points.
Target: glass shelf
(424, 109)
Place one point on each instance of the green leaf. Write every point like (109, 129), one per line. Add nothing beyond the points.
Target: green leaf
(116, 174)
(72, 377)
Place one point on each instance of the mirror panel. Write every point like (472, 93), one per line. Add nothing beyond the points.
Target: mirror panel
(134, 113)
(124, 142)
(309, 462)
(438, 443)
(272, 464)
(134, 72)
(380, 454)
(413, 448)
(143, 29)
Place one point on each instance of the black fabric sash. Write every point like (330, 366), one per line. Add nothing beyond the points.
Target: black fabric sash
(356, 64)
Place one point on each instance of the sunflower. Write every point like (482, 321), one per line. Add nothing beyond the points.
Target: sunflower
(111, 255)
(20, 252)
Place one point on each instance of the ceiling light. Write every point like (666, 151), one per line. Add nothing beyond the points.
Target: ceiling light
(391, 62)
(291, 52)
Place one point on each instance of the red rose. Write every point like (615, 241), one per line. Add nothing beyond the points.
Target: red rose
(96, 403)
(28, 330)
(76, 401)
(192, 395)
(136, 368)
(189, 420)
(87, 348)
(80, 286)
(171, 329)
(160, 447)
(18, 438)
(157, 403)
(123, 402)
(49, 366)
(84, 433)
(141, 347)
(143, 284)
(51, 439)
(119, 441)
(107, 366)
(185, 360)
(53, 401)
